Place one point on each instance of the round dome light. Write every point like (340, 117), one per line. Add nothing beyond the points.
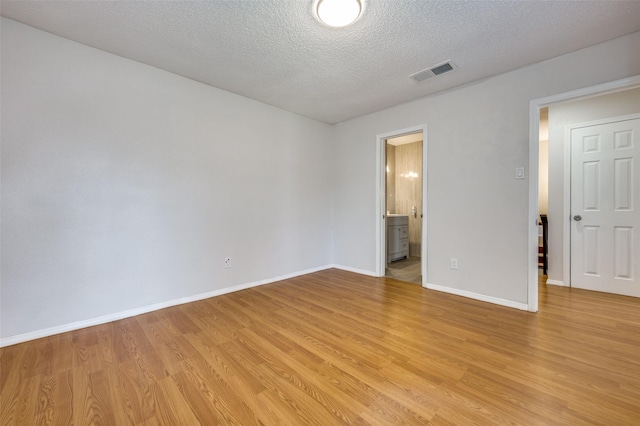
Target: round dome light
(338, 13)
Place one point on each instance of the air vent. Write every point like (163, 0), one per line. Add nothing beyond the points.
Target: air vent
(442, 69)
(434, 71)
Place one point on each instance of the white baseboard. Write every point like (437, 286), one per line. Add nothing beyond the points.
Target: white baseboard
(481, 297)
(556, 282)
(356, 270)
(19, 338)
(476, 296)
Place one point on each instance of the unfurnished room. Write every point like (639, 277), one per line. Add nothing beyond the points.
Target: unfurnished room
(320, 212)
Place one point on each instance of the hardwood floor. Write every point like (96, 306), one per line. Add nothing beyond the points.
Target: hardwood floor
(334, 347)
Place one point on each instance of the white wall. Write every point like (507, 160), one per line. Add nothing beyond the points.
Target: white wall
(125, 186)
(543, 177)
(543, 162)
(561, 116)
(477, 135)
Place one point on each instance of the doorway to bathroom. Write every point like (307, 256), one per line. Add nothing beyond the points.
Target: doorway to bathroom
(403, 201)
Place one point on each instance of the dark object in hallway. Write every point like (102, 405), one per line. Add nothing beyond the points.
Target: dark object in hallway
(543, 255)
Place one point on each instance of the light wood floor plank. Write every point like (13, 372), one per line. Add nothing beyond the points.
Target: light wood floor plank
(335, 347)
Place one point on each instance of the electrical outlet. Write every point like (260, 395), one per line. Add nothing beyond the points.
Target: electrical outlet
(227, 262)
(454, 263)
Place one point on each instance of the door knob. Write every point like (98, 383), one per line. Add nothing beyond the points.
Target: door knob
(577, 218)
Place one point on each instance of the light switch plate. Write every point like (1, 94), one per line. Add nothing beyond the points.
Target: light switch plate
(519, 172)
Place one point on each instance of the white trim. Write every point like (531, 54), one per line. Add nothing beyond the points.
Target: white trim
(480, 297)
(591, 91)
(532, 219)
(19, 338)
(381, 199)
(355, 270)
(534, 141)
(425, 182)
(566, 213)
(381, 204)
(554, 282)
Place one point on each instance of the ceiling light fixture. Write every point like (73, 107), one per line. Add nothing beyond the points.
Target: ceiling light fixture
(338, 13)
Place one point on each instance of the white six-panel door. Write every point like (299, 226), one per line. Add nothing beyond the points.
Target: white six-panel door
(605, 207)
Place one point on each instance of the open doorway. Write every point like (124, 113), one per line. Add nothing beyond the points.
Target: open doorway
(594, 185)
(404, 207)
(401, 241)
(559, 175)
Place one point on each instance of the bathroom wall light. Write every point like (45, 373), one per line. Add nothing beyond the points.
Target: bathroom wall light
(338, 13)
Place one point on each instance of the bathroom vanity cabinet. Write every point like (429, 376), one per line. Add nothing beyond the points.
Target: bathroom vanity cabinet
(397, 237)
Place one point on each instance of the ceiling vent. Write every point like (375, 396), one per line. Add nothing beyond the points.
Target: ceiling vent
(434, 71)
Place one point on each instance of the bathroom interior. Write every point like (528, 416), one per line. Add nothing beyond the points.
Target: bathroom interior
(404, 207)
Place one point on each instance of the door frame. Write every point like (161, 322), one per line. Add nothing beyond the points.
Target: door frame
(381, 201)
(534, 152)
(566, 223)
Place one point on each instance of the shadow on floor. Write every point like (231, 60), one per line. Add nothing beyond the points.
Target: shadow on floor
(405, 270)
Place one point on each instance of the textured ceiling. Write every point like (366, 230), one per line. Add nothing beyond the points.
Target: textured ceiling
(275, 51)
